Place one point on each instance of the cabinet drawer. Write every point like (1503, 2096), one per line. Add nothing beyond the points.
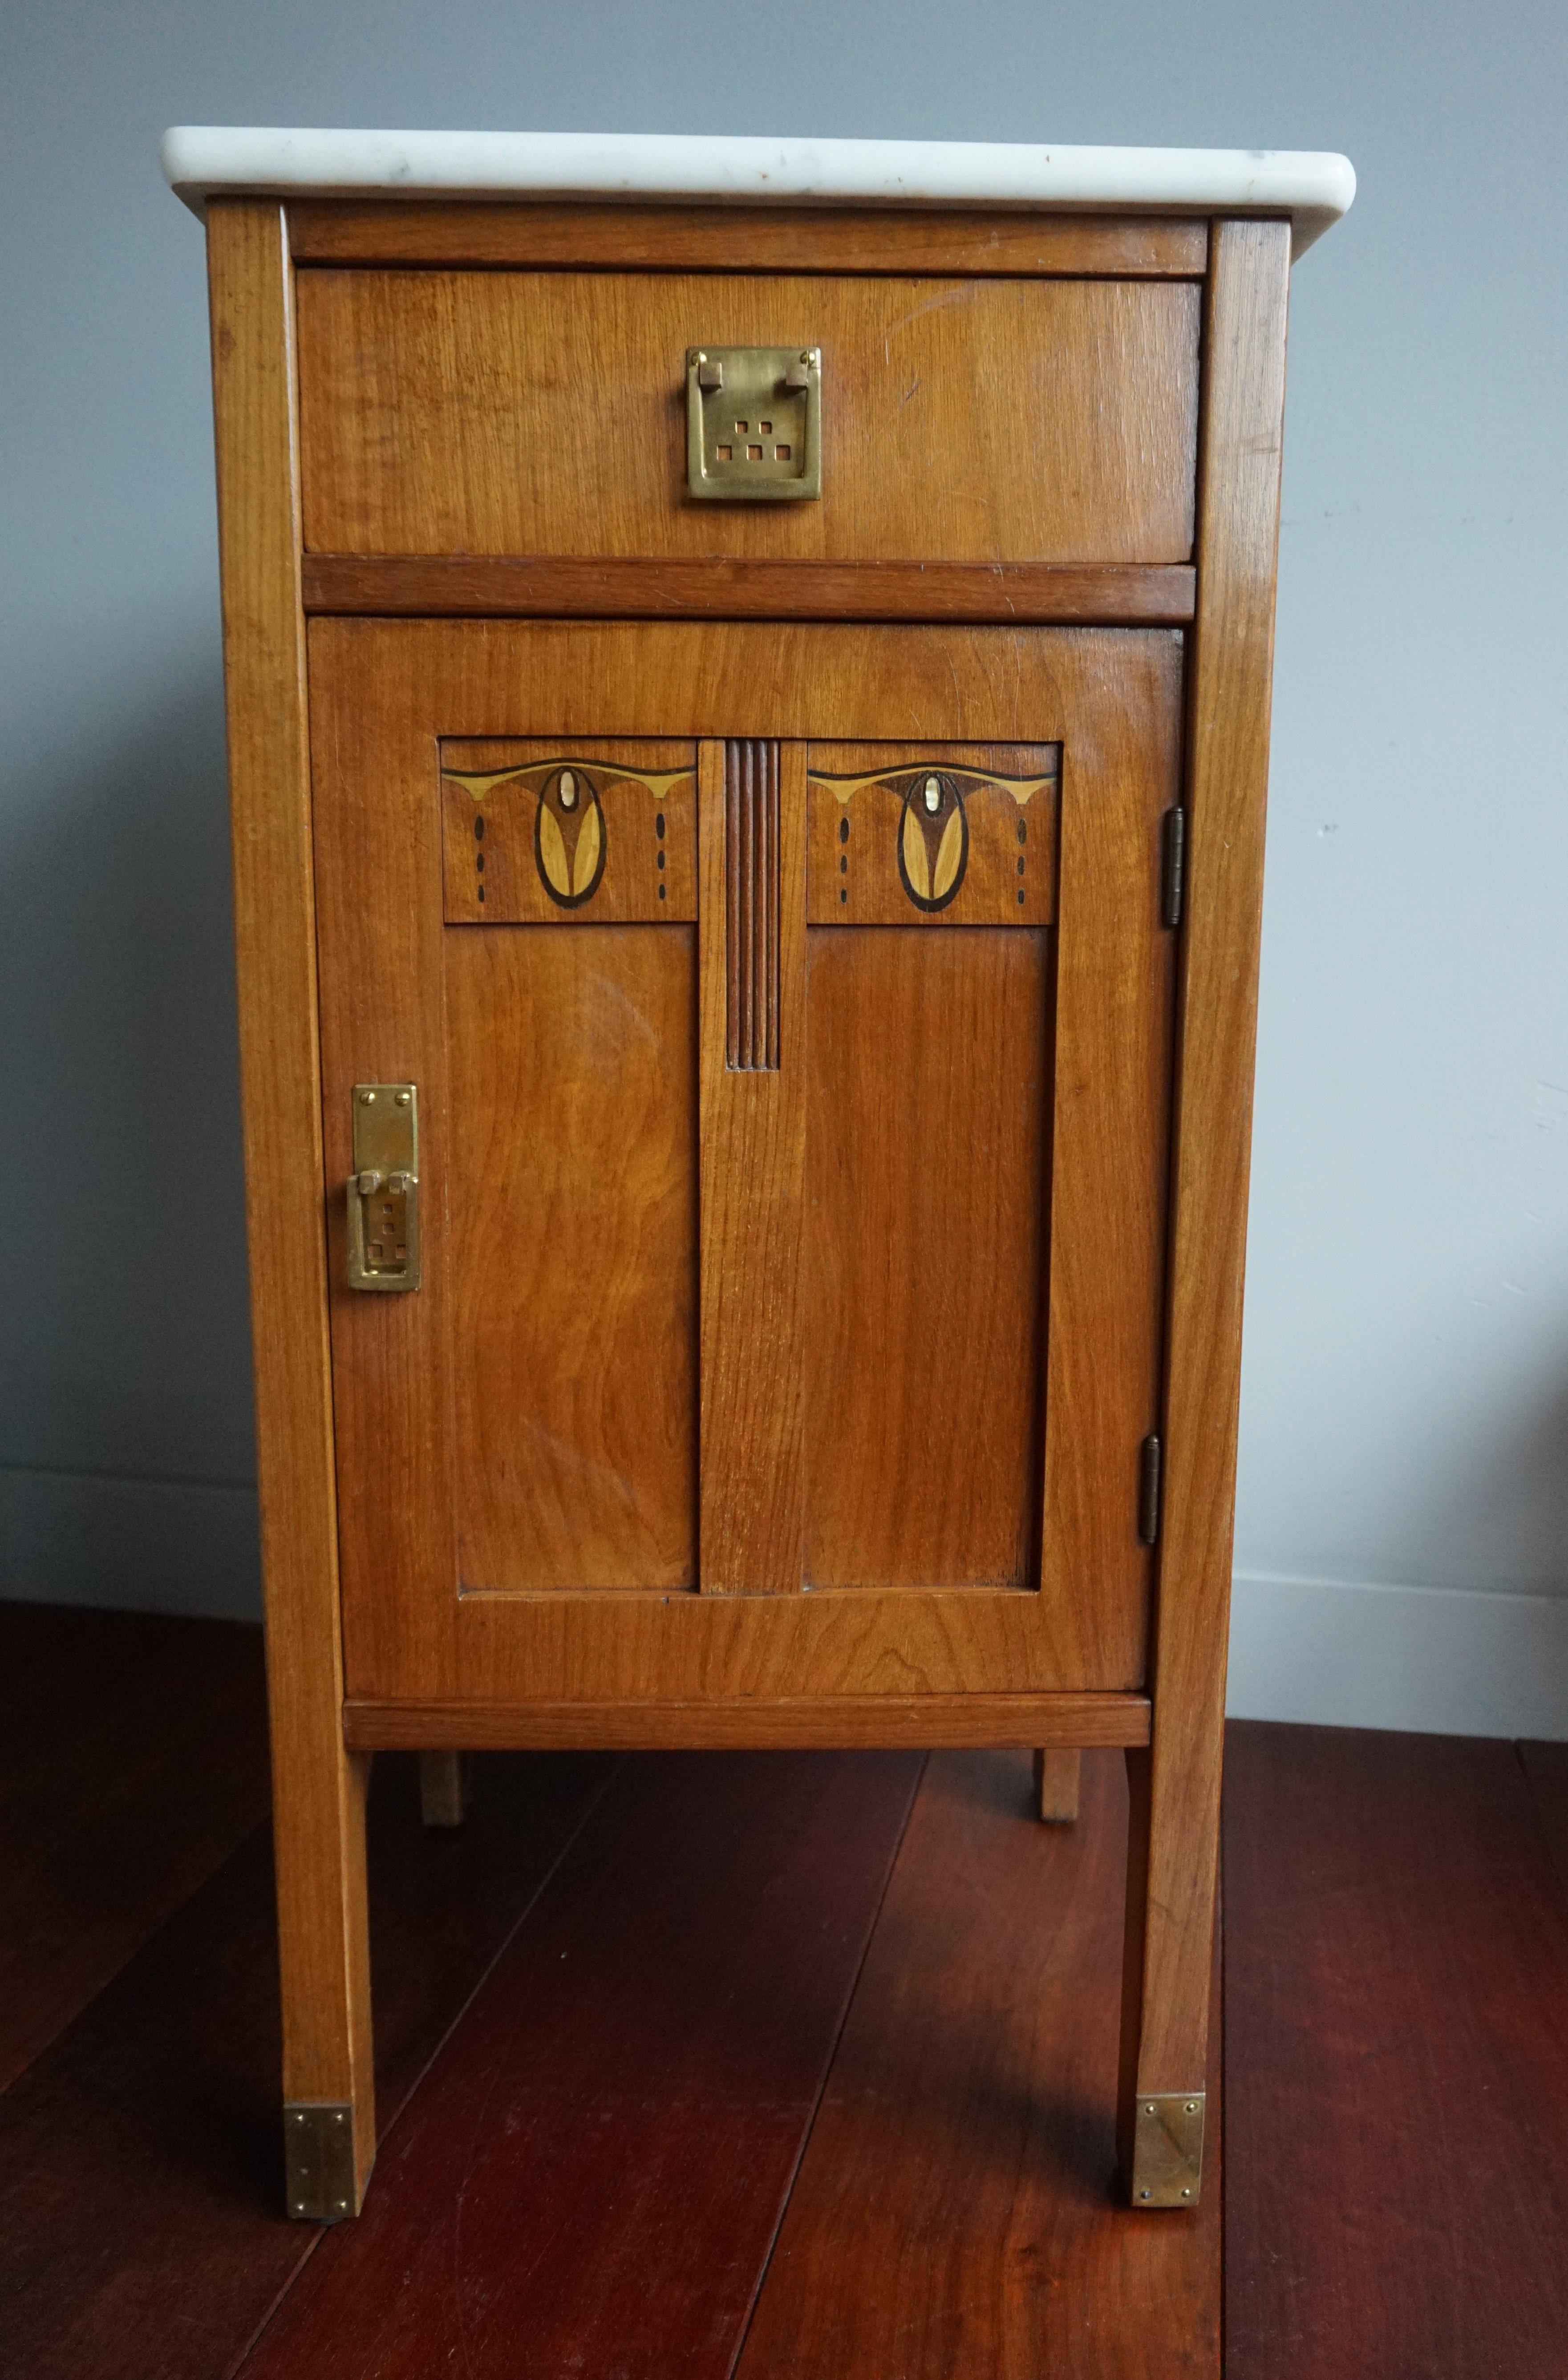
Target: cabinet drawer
(544, 413)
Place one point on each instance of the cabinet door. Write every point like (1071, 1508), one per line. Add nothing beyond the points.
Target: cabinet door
(790, 1013)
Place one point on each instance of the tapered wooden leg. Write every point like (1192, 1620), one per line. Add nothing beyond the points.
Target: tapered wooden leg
(443, 1788)
(324, 1957)
(1056, 1786)
(1167, 1958)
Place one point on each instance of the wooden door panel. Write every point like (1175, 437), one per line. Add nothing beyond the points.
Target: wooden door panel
(928, 1124)
(523, 1519)
(572, 1220)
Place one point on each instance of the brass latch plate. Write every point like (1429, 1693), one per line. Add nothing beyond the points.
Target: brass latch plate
(1168, 2149)
(754, 423)
(384, 1191)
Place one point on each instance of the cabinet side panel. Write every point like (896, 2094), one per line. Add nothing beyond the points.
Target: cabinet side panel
(572, 1065)
(928, 1109)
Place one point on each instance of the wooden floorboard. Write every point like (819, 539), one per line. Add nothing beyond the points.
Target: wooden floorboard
(1545, 1768)
(133, 1760)
(141, 2234)
(589, 2179)
(1397, 2061)
(587, 2182)
(956, 2212)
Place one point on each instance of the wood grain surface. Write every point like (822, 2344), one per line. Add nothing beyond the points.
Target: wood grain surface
(318, 1790)
(928, 1125)
(592, 2174)
(111, 1823)
(544, 413)
(734, 239)
(1396, 1978)
(955, 2211)
(1058, 1785)
(567, 586)
(571, 1196)
(1115, 980)
(142, 2227)
(1168, 1966)
(883, 1722)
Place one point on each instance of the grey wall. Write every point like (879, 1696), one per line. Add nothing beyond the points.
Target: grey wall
(1403, 1506)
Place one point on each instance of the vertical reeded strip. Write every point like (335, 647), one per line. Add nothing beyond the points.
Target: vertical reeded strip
(751, 1125)
(731, 904)
(751, 905)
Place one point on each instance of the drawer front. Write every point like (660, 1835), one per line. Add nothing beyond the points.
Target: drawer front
(544, 413)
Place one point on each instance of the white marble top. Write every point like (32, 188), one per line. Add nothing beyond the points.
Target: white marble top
(1312, 187)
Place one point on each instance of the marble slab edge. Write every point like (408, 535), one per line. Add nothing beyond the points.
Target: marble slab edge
(1313, 188)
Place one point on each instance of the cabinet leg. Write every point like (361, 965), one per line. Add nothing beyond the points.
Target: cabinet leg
(1056, 1786)
(329, 2124)
(443, 1788)
(1166, 1965)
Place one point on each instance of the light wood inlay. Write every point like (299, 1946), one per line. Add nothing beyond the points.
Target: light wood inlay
(881, 851)
(507, 822)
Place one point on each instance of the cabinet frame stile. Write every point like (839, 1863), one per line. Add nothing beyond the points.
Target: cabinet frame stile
(1174, 1784)
(318, 1784)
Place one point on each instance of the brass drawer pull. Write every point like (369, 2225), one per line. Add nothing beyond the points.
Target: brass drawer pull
(754, 423)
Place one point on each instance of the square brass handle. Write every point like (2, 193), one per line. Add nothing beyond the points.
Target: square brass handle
(754, 423)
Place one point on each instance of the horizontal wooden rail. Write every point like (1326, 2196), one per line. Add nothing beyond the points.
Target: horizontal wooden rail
(550, 587)
(639, 238)
(881, 1722)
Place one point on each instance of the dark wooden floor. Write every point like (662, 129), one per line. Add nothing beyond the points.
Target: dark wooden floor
(777, 2064)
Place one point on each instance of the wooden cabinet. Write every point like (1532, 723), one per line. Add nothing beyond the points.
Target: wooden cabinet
(817, 942)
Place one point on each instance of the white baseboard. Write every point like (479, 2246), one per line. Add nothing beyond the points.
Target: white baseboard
(1438, 1660)
(129, 1545)
(1435, 1660)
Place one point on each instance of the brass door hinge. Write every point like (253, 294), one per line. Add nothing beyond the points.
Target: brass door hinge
(1148, 1490)
(1173, 867)
(383, 1191)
